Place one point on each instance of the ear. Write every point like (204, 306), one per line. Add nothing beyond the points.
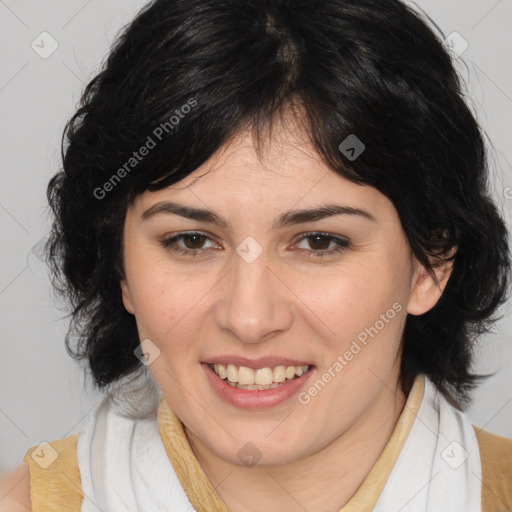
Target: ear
(425, 292)
(127, 298)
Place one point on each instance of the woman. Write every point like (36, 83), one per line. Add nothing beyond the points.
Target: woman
(273, 226)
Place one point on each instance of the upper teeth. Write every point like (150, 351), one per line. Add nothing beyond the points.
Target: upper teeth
(262, 376)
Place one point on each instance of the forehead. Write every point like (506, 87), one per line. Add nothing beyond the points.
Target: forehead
(283, 172)
(283, 153)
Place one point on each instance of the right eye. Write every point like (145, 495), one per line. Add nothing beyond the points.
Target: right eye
(192, 243)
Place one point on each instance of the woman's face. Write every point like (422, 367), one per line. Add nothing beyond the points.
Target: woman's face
(240, 284)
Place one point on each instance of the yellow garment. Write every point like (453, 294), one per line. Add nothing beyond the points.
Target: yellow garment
(496, 458)
(58, 487)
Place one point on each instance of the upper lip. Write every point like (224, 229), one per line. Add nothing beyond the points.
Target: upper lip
(260, 362)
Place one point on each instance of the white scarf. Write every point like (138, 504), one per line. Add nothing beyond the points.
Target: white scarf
(438, 469)
(124, 466)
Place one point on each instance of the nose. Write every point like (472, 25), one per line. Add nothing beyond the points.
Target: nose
(254, 301)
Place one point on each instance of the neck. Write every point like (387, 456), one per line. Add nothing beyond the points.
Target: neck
(324, 480)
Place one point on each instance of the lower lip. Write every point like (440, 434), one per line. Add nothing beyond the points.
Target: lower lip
(254, 398)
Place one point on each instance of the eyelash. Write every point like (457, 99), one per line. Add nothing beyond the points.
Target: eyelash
(342, 244)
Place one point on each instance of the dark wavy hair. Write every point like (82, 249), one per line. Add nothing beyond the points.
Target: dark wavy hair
(191, 74)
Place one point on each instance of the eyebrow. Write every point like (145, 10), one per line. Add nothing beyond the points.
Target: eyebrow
(289, 218)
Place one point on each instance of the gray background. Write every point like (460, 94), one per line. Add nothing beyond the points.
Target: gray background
(42, 391)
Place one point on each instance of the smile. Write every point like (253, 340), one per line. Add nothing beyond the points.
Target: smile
(260, 387)
(268, 377)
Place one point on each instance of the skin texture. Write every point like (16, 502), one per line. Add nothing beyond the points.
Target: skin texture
(285, 304)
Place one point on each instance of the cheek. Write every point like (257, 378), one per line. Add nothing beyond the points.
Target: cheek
(165, 302)
(348, 301)
(167, 307)
(362, 304)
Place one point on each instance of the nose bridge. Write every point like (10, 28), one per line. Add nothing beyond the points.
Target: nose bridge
(254, 302)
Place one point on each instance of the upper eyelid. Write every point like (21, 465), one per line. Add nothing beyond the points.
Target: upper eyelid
(300, 237)
(185, 233)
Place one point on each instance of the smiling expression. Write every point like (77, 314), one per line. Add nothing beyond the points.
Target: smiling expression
(266, 264)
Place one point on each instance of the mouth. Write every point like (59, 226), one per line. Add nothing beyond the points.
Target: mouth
(257, 383)
(261, 379)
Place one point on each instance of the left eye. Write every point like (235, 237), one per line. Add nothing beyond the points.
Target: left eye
(322, 241)
(193, 243)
